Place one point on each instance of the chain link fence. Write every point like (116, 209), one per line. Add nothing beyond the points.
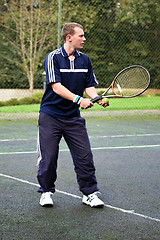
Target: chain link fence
(118, 33)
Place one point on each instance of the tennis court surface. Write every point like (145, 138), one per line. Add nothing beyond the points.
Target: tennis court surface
(127, 159)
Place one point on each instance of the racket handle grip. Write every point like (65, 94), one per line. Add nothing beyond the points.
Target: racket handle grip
(96, 99)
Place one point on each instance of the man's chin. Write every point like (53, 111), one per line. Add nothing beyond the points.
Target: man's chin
(81, 47)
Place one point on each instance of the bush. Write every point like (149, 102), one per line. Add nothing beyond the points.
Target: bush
(38, 96)
(34, 99)
(2, 103)
(100, 92)
(26, 101)
(12, 102)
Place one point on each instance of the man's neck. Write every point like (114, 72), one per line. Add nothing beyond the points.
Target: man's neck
(70, 51)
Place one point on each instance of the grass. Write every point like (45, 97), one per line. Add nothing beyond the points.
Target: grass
(20, 108)
(148, 102)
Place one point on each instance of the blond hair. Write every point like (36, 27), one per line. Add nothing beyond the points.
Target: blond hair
(69, 29)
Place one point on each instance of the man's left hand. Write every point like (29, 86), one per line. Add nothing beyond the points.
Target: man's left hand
(102, 103)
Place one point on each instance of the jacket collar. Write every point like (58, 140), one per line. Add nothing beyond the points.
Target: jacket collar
(64, 54)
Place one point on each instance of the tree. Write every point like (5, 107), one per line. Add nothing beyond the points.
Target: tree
(28, 27)
(119, 33)
(142, 17)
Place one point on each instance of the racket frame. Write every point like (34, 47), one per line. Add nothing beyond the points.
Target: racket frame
(112, 86)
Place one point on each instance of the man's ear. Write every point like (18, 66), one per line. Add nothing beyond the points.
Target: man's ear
(68, 37)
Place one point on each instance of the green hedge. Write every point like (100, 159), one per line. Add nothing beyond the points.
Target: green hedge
(35, 98)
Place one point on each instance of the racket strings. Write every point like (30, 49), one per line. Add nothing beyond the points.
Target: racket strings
(131, 82)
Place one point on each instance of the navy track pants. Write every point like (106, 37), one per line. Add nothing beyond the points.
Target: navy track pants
(75, 134)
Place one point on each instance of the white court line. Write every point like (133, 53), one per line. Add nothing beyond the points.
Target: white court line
(76, 196)
(96, 148)
(128, 135)
(16, 139)
(126, 147)
(106, 136)
(10, 153)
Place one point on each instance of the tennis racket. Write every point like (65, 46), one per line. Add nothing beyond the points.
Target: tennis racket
(130, 82)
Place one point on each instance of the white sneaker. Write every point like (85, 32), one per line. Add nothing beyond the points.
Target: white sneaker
(46, 200)
(93, 200)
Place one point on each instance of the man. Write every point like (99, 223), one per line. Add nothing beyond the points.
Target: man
(68, 73)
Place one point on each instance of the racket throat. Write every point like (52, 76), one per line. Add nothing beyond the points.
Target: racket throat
(119, 88)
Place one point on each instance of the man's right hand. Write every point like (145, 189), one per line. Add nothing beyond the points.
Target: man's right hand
(86, 103)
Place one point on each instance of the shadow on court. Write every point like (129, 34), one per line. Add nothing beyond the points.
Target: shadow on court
(126, 155)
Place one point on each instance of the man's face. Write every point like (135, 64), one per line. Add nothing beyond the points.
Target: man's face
(78, 38)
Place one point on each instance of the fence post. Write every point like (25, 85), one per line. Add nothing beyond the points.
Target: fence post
(59, 23)
(44, 80)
